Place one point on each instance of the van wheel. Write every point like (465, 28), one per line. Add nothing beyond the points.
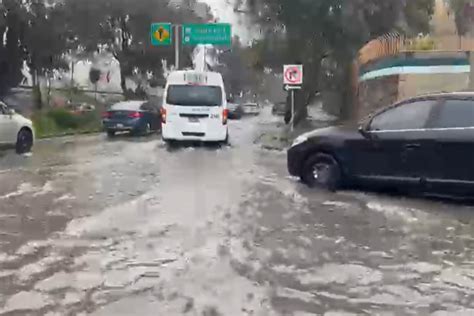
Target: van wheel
(226, 140)
(321, 170)
(110, 133)
(24, 141)
(170, 142)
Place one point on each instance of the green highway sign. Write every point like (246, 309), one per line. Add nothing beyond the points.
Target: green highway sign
(212, 33)
(161, 34)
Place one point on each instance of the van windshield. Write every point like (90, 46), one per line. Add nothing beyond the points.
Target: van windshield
(194, 95)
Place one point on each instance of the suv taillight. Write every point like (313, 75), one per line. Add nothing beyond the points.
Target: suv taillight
(163, 115)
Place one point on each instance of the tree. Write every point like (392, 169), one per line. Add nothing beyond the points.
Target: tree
(462, 14)
(121, 27)
(44, 42)
(32, 35)
(326, 35)
(12, 24)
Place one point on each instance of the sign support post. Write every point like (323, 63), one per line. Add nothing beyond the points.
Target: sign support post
(176, 47)
(293, 80)
(292, 91)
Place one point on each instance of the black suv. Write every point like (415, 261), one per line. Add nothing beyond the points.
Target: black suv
(424, 143)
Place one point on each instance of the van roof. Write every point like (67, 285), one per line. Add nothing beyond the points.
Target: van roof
(182, 77)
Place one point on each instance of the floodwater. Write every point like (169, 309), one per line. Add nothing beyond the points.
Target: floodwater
(128, 226)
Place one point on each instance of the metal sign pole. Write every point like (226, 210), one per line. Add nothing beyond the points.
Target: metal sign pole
(176, 47)
(292, 109)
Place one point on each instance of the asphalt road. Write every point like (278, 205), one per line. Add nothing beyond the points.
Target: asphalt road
(129, 227)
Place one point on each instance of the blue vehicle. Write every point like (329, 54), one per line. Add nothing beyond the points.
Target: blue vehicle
(135, 117)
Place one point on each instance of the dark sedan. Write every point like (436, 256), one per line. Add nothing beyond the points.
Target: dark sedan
(424, 143)
(279, 109)
(135, 117)
(235, 111)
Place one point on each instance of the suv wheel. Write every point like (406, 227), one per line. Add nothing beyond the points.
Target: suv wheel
(24, 141)
(321, 170)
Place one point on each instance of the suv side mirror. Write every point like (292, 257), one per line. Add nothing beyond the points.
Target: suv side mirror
(10, 111)
(364, 129)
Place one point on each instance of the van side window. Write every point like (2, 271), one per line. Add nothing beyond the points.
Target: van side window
(456, 114)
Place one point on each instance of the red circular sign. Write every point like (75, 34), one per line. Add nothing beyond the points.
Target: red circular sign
(293, 75)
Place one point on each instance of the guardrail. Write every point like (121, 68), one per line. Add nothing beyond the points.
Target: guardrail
(69, 89)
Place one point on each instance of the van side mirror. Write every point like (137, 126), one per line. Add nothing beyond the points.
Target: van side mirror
(10, 111)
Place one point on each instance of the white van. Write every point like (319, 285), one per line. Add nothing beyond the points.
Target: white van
(194, 107)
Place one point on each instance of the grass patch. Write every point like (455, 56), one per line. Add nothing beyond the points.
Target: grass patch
(60, 122)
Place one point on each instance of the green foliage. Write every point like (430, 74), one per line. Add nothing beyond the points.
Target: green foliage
(326, 35)
(57, 122)
(44, 125)
(122, 28)
(64, 119)
(418, 15)
(422, 43)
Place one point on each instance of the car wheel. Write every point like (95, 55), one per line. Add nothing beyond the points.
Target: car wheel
(110, 133)
(24, 141)
(147, 130)
(322, 170)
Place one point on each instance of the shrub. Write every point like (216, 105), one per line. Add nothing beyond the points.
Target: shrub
(44, 125)
(64, 119)
(422, 43)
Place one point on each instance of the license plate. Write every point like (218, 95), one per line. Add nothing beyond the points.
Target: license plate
(193, 120)
(119, 125)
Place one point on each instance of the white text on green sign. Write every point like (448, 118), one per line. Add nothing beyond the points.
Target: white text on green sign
(213, 33)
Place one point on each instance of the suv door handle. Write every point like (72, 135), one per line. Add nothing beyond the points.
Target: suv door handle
(412, 146)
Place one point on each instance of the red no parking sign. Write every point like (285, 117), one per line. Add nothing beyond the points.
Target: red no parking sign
(293, 75)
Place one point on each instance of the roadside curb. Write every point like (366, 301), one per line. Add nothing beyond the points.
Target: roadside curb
(50, 136)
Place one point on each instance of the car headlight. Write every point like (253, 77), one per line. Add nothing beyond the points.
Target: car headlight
(300, 139)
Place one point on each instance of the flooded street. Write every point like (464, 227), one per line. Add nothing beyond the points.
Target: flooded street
(128, 226)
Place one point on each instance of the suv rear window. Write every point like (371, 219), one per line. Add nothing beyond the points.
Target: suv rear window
(194, 95)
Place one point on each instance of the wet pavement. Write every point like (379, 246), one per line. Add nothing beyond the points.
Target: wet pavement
(130, 227)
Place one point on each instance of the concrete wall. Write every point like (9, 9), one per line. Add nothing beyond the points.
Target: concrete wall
(375, 94)
(415, 84)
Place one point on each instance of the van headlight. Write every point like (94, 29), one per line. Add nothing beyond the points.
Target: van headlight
(300, 139)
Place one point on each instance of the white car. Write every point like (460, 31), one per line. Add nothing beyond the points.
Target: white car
(251, 108)
(15, 130)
